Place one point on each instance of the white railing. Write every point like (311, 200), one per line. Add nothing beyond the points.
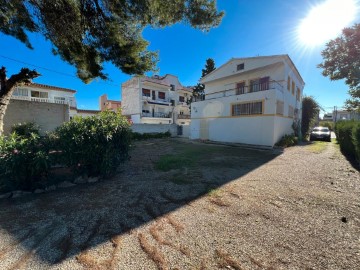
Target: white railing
(46, 100)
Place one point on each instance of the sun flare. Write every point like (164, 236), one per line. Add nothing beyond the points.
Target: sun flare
(325, 21)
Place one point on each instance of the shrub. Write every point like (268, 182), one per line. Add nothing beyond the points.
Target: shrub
(356, 140)
(344, 132)
(327, 124)
(287, 140)
(93, 145)
(146, 136)
(26, 129)
(24, 162)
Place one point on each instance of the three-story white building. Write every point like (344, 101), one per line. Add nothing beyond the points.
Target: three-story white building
(156, 100)
(249, 100)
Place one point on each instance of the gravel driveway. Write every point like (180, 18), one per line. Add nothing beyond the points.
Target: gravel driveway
(222, 208)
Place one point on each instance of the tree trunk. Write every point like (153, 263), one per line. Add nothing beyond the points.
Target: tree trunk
(4, 102)
(7, 87)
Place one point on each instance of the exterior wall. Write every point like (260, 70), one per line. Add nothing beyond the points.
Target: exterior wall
(68, 96)
(47, 115)
(230, 68)
(152, 109)
(106, 104)
(131, 97)
(155, 128)
(85, 113)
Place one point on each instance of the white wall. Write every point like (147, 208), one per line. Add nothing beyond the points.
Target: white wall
(131, 97)
(154, 128)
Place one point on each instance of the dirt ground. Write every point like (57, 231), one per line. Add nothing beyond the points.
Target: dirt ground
(178, 204)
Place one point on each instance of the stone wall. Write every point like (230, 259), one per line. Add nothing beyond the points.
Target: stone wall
(47, 115)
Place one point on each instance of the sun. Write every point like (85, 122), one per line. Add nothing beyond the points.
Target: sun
(325, 21)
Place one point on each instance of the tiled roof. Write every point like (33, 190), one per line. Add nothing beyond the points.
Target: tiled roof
(45, 86)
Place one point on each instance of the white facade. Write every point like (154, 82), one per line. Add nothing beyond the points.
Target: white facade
(156, 100)
(249, 100)
(339, 115)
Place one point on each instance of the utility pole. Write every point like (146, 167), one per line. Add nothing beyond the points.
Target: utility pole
(335, 113)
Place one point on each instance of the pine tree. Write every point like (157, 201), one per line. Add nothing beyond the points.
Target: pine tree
(87, 33)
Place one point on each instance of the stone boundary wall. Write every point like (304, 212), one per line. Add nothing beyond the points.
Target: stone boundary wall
(47, 115)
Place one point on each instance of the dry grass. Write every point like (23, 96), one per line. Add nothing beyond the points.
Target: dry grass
(177, 225)
(225, 260)
(153, 253)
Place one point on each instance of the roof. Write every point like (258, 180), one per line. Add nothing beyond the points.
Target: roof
(114, 101)
(159, 80)
(286, 56)
(45, 86)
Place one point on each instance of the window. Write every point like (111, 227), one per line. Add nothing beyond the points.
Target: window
(240, 66)
(259, 84)
(298, 94)
(146, 92)
(293, 88)
(288, 83)
(240, 88)
(21, 92)
(291, 111)
(172, 87)
(145, 111)
(279, 107)
(61, 98)
(181, 99)
(247, 108)
(38, 94)
(161, 95)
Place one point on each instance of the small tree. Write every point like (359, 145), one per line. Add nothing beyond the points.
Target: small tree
(310, 109)
(199, 89)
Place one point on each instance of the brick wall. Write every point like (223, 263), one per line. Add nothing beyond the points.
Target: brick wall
(47, 115)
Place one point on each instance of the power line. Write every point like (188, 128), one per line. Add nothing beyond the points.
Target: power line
(50, 70)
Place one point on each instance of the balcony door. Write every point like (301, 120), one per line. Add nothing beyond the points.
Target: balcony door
(153, 95)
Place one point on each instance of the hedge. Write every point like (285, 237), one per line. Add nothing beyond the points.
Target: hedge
(348, 136)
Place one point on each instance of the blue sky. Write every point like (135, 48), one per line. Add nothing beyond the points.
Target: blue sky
(249, 28)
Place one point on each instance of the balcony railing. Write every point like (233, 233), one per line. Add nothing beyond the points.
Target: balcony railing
(157, 115)
(242, 90)
(46, 100)
(157, 100)
(184, 116)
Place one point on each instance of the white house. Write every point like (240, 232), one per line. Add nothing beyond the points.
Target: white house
(251, 100)
(48, 106)
(156, 100)
(338, 115)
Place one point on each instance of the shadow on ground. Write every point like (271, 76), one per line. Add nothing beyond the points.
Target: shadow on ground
(161, 176)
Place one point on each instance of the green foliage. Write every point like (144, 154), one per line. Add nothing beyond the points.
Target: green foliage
(145, 136)
(310, 109)
(341, 61)
(347, 136)
(170, 162)
(287, 140)
(24, 161)
(328, 124)
(103, 31)
(356, 140)
(199, 89)
(93, 145)
(209, 67)
(26, 129)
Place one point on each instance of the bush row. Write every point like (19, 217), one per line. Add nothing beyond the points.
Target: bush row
(92, 146)
(348, 136)
(287, 140)
(145, 136)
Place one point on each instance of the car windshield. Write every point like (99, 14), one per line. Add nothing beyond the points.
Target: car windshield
(321, 129)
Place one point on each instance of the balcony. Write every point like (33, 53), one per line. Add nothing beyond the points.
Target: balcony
(154, 100)
(247, 89)
(183, 116)
(46, 100)
(157, 115)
